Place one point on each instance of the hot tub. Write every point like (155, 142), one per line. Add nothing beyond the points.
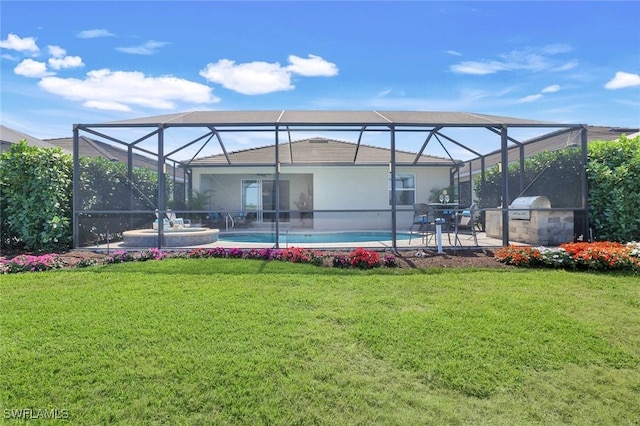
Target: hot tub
(173, 237)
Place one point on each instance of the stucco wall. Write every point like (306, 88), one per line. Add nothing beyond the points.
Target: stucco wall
(333, 188)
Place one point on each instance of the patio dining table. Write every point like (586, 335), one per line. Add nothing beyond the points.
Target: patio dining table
(445, 215)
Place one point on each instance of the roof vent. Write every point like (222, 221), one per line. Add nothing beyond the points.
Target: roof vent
(318, 140)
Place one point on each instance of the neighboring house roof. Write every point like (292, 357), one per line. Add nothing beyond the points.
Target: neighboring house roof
(550, 142)
(315, 151)
(92, 148)
(10, 136)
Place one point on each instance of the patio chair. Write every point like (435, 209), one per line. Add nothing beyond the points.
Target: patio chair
(423, 223)
(467, 221)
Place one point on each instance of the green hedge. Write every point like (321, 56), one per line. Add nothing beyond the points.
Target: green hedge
(104, 185)
(35, 187)
(614, 189)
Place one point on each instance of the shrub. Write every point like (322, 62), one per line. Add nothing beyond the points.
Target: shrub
(35, 188)
(614, 189)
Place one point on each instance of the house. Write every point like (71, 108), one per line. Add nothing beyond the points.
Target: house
(327, 176)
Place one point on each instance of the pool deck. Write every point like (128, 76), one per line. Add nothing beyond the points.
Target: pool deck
(465, 241)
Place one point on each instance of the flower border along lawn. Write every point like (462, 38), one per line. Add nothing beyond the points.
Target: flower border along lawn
(232, 341)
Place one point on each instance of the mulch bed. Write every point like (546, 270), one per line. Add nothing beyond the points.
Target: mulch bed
(408, 259)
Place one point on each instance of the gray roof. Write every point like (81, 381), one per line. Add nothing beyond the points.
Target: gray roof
(551, 142)
(327, 118)
(316, 151)
(92, 148)
(11, 136)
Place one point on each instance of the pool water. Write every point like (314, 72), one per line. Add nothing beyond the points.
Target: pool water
(311, 238)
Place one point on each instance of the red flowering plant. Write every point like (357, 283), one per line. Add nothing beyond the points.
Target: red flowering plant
(301, 255)
(363, 259)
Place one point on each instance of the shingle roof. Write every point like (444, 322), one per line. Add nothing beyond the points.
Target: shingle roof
(318, 151)
(92, 148)
(8, 136)
(551, 142)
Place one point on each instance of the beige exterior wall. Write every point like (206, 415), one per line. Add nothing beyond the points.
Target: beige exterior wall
(330, 188)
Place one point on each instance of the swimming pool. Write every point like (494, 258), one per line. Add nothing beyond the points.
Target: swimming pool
(310, 238)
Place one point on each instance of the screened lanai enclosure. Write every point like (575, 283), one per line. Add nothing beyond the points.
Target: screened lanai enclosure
(329, 179)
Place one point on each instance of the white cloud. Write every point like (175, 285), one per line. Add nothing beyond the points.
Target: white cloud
(622, 80)
(94, 33)
(259, 78)
(149, 48)
(478, 68)
(60, 60)
(314, 66)
(9, 57)
(566, 67)
(551, 89)
(534, 60)
(530, 98)
(253, 78)
(453, 53)
(119, 90)
(56, 51)
(107, 106)
(14, 42)
(31, 68)
(66, 62)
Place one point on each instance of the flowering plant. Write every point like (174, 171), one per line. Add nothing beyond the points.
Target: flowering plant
(28, 263)
(390, 261)
(151, 254)
(340, 261)
(119, 256)
(602, 255)
(301, 255)
(363, 259)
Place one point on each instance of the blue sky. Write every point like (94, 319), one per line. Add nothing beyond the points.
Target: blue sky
(92, 62)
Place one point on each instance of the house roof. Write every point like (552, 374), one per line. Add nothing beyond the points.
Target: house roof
(92, 148)
(89, 147)
(315, 151)
(551, 142)
(326, 118)
(10, 136)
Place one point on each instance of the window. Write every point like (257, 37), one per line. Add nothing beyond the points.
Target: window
(405, 189)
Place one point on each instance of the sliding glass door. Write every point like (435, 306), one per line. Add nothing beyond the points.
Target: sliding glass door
(259, 199)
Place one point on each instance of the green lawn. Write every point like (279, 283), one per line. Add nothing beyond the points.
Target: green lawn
(222, 341)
